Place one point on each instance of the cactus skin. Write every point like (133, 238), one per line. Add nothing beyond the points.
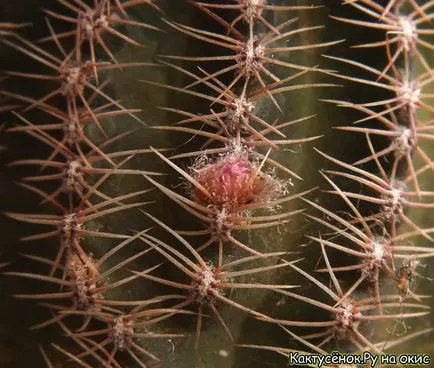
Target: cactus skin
(183, 275)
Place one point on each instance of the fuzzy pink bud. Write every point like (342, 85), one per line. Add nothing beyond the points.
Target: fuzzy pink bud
(232, 182)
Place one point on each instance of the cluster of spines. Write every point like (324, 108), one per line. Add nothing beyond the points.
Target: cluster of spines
(379, 250)
(82, 282)
(394, 184)
(233, 180)
(230, 180)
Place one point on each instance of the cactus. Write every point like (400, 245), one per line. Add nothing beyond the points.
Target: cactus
(228, 183)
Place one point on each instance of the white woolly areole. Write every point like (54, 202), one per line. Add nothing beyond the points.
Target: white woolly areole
(378, 252)
(253, 8)
(394, 205)
(410, 93)
(121, 333)
(249, 59)
(73, 176)
(347, 317)
(69, 228)
(205, 285)
(404, 143)
(408, 33)
(238, 113)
